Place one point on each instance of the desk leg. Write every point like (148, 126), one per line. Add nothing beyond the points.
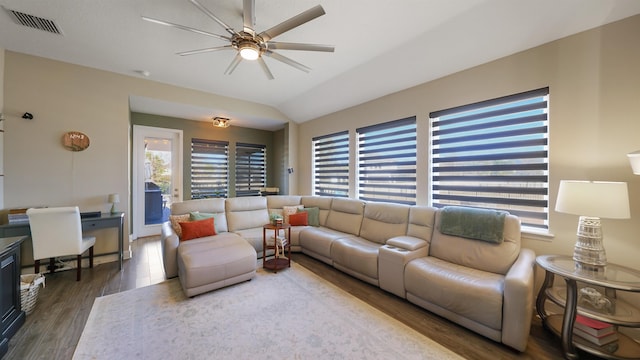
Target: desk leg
(569, 320)
(120, 240)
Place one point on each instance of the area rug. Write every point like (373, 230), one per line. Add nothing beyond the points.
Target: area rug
(292, 314)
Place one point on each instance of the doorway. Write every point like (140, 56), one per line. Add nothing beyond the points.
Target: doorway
(157, 177)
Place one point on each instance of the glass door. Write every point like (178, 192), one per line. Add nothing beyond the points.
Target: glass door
(157, 177)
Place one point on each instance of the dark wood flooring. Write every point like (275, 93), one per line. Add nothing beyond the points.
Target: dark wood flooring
(54, 328)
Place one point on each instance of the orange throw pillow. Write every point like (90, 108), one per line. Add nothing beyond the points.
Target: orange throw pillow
(197, 229)
(299, 219)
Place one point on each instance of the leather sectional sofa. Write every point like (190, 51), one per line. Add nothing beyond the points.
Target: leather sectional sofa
(486, 286)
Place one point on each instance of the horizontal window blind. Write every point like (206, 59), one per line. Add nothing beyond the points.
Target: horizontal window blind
(251, 173)
(387, 162)
(331, 164)
(494, 154)
(209, 168)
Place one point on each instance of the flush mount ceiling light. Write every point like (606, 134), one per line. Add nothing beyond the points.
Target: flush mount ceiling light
(251, 44)
(221, 122)
(249, 50)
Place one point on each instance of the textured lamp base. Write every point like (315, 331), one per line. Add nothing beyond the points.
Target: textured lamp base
(589, 251)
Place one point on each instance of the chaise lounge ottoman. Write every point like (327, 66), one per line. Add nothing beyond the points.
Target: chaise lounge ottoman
(206, 264)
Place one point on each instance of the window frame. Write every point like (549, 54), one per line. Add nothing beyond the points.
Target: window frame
(510, 135)
(211, 164)
(387, 162)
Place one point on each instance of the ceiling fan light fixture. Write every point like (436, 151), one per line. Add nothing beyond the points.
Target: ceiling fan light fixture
(221, 122)
(249, 50)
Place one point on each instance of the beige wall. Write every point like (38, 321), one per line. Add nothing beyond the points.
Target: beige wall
(594, 80)
(65, 97)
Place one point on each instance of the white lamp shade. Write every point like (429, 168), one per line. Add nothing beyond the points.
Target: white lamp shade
(608, 200)
(634, 160)
(114, 198)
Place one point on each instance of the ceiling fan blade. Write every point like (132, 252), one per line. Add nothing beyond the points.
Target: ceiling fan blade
(228, 28)
(296, 46)
(292, 23)
(249, 15)
(186, 28)
(287, 61)
(200, 51)
(234, 64)
(265, 68)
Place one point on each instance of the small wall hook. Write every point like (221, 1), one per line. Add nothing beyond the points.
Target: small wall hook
(27, 116)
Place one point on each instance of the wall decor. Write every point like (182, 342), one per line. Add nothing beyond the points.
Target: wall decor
(75, 141)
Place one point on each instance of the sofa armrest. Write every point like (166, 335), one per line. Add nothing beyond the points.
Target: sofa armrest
(169, 242)
(408, 243)
(518, 301)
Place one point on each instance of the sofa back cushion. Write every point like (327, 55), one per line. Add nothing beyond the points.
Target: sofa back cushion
(277, 202)
(421, 222)
(246, 212)
(346, 215)
(383, 221)
(211, 206)
(321, 202)
(478, 254)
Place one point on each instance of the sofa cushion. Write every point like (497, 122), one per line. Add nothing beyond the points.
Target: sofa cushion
(213, 205)
(314, 215)
(246, 213)
(288, 210)
(176, 220)
(421, 220)
(275, 202)
(196, 215)
(318, 240)
(346, 215)
(197, 229)
(481, 255)
(383, 221)
(299, 219)
(358, 255)
(321, 202)
(468, 292)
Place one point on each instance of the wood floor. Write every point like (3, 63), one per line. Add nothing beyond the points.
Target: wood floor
(54, 328)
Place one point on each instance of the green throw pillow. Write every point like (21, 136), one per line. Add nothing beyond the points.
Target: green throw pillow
(313, 215)
(196, 215)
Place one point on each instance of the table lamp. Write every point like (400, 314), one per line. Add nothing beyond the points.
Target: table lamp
(592, 200)
(114, 199)
(634, 160)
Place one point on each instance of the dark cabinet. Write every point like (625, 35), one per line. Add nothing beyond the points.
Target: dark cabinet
(10, 308)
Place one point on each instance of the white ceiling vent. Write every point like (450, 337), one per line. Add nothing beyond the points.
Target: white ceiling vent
(33, 21)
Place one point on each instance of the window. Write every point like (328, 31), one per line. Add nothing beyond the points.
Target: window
(209, 168)
(331, 165)
(251, 174)
(494, 154)
(387, 162)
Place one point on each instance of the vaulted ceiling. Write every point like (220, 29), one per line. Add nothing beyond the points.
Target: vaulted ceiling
(381, 46)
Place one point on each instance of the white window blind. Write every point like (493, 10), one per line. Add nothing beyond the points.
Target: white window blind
(251, 173)
(387, 162)
(331, 164)
(209, 168)
(494, 154)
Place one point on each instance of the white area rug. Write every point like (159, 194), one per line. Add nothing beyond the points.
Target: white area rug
(293, 314)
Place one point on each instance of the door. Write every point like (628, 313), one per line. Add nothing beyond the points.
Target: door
(157, 177)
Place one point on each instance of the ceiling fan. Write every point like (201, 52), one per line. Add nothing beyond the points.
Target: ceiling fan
(251, 45)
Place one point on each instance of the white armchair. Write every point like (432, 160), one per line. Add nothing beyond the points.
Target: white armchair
(58, 232)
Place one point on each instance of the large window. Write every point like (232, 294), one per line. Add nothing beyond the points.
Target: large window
(209, 168)
(387, 162)
(331, 164)
(251, 173)
(494, 154)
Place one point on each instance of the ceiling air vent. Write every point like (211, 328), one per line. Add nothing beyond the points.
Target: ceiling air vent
(33, 21)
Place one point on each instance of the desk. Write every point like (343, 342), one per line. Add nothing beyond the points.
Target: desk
(104, 221)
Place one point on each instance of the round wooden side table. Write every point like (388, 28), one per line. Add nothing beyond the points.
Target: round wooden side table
(276, 262)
